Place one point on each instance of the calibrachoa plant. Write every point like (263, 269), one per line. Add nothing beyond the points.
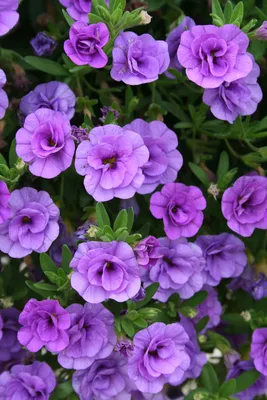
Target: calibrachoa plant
(133, 200)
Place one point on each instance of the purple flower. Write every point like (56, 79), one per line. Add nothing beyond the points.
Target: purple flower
(210, 307)
(79, 134)
(28, 382)
(85, 44)
(105, 110)
(91, 336)
(173, 41)
(65, 237)
(257, 389)
(78, 9)
(180, 207)
(8, 15)
(138, 59)
(105, 380)
(147, 252)
(32, 225)
(261, 32)
(137, 395)
(105, 271)
(244, 281)
(4, 199)
(10, 348)
(164, 160)
(213, 55)
(44, 323)
(81, 230)
(225, 257)
(197, 357)
(259, 287)
(45, 143)
(244, 205)
(43, 45)
(3, 95)
(130, 203)
(141, 295)
(258, 350)
(240, 97)
(159, 357)
(125, 347)
(112, 162)
(54, 95)
(179, 270)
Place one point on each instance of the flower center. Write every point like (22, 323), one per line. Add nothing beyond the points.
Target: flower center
(110, 161)
(51, 143)
(25, 220)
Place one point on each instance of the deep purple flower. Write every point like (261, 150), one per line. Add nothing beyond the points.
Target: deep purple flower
(164, 159)
(126, 204)
(112, 162)
(86, 42)
(147, 252)
(32, 225)
(140, 295)
(43, 45)
(173, 41)
(197, 357)
(159, 357)
(138, 59)
(105, 380)
(253, 283)
(79, 134)
(91, 336)
(65, 237)
(105, 270)
(44, 323)
(8, 15)
(179, 270)
(258, 350)
(213, 55)
(45, 143)
(10, 348)
(225, 257)
(210, 307)
(78, 9)
(54, 95)
(125, 347)
(180, 207)
(28, 382)
(4, 199)
(244, 205)
(137, 395)
(240, 97)
(261, 32)
(3, 95)
(105, 110)
(257, 389)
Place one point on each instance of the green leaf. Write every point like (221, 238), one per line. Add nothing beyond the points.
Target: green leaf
(128, 327)
(249, 26)
(238, 14)
(12, 157)
(228, 10)
(228, 388)
(203, 392)
(68, 18)
(47, 264)
(223, 165)
(202, 323)
(154, 5)
(209, 378)
(246, 380)
(197, 299)
(219, 341)
(114, 4)
(104, 13)
(62, 391)
(121, 220)
(2, 160)
(150, 291)
(52, 276)
(225, 181)
(116, 16)
(183, 125)
(123, 236)
(108, 232)
(66, 259)
(217, 9)
(95, 19)
(140, 323)
(130, 219)
(102, 217)
(46, 65)
(43, 292)
(200, 174)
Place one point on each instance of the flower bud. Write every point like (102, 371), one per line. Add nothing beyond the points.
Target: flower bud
(261, 33)
(145, 18)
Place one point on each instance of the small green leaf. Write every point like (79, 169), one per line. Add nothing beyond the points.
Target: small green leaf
(202, 323)
(150, 291)
(95, 19)
(102, 217)
(140, 323)
(62, 391)
(223, 165)
(200, 174)
(2, 160)
(225, 181)
(68, 18)
(228, 388)
(12, 157)
(228, 11)
(108, 232)
(116, 16)
(246, 380)
(130, 219)
(52, 276)
(66, 259)
(123, 236)
(128, 327)
(121, 220)
(103, 13)
(197, 299)
(47, 264)
(238, 14)
(217, 9)
(43, 292)
(249, 26)
(209, 378)
(46, 65)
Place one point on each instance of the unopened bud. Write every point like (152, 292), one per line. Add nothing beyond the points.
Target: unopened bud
(246, 316)
(20, 164)
(261, 33)
(145, 18)
(92, 231)
(214, 190)
(202, 339)
(7, 302)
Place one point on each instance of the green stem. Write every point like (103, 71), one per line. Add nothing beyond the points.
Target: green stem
(242, 127)
(174, 6)
(232, 151)
(251, 146)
